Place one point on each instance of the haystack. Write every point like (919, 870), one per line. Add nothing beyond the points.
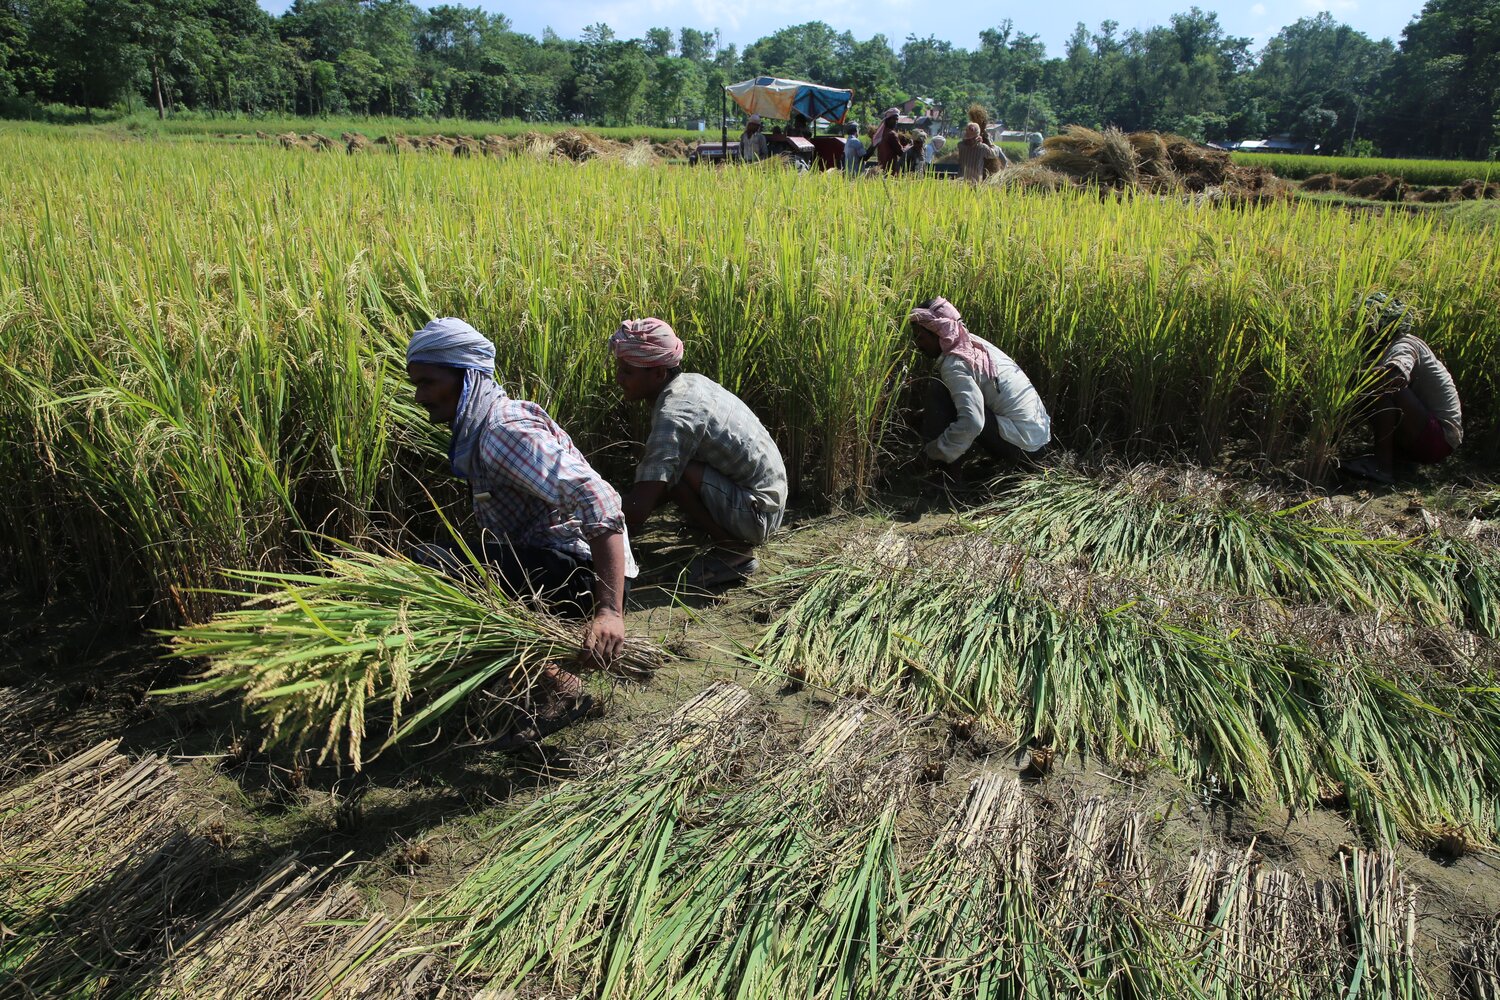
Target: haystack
(1474, 189)
(466, 145)
(1029, 175)
(356, 142)
(1325, 182)
(291, 140)
(262, 135)
(577, 146)
(1433, 195)
(320, 142)
(1378, 187)
(494, 145)
(1106, 158)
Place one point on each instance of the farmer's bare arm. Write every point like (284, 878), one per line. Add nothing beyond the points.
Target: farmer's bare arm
(642, 499)
(606, 635)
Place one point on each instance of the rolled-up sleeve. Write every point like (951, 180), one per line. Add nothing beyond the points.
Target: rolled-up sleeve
(524, 452)
(968, 400)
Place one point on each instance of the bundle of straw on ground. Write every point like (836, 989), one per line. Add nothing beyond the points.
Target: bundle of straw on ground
(297, 932)
(574, 875)
(378, 639)
(1477, 967)
(1195, 529)
(1298, 709)
(94, 869)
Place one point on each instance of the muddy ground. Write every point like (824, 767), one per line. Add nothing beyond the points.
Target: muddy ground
(410, 824)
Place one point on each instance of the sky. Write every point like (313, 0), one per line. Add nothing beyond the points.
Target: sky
(957, 21)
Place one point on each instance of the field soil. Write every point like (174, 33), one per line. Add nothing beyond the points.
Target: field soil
(411, 824)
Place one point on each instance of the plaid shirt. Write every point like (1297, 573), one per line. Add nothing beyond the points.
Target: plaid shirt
(532, 486)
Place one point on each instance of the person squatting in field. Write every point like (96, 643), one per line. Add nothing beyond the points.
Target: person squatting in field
(979, 395)
(1416, 413)
(553, 529)
(706, 452)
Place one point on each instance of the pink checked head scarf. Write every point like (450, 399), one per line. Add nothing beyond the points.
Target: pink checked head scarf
(646, 343)
(942, 319)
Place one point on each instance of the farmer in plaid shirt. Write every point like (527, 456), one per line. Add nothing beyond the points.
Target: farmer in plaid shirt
(553, 528)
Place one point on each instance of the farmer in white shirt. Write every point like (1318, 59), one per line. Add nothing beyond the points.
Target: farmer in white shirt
(980, 394)
(854, 152)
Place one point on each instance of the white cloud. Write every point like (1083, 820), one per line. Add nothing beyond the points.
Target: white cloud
(1258, 10)
(1332, 6)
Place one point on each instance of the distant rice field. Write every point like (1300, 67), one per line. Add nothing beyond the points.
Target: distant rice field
(200, 351)
(1421, 172)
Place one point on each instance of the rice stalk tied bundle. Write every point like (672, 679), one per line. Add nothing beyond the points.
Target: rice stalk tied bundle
(1381, 908)
(786, 885)
(376, 635)
(1257, 932)
(972, 922)
(1299, 706)
(93, 868)
(573, 877)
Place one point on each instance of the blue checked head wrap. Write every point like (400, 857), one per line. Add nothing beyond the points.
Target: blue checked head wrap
(452, 343)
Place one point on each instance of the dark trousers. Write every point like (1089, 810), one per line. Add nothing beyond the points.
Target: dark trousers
(559, 581)
(939, 412)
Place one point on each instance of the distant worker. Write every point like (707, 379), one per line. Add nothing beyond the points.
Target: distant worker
(933, 150)
(753, 143)
(799, 126)
(976, 157)
(1033, 145)
(886, 144)
(553, 529)
(979, 395)
(915, 157)
(1417, 416)
(854, 151)
(706, 452)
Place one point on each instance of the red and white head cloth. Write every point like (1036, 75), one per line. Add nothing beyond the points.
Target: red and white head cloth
(944, 320)
(646, 343)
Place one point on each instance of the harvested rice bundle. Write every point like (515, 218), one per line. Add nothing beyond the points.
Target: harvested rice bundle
(1104, 157)
(94, 868)
(1093, 664)
(575, 874)
(378, 633)
(1199, 531)
(294, 934)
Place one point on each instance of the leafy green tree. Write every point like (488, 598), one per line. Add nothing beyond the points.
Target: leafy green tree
(1444, 85)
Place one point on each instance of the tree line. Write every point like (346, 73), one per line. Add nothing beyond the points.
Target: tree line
(1435, 93)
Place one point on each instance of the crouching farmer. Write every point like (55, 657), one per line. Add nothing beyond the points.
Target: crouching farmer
(1417, 416)
(552, 528)
(706, 452)
(980, 394)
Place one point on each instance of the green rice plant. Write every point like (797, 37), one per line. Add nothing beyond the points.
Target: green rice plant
(376, 636)
(1381, 909)
(1193, 529)
(93, 869)
(200, 342)
(1422, 172)
(1302, 707)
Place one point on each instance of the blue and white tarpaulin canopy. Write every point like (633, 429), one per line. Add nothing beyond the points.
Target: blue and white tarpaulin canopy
(770, 97)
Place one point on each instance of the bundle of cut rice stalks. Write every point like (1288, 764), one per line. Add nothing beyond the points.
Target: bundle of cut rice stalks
(688, 868)
(1303, 707)
(375, 636)
(1187, 528)
(94, 868)
(297, 934)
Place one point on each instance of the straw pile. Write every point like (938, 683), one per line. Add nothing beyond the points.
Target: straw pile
(94, 867)
(293, 934)
(1150, 161)
(356, 142)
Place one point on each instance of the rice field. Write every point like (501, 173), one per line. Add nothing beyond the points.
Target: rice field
(1421, 172)
(198, 356)
(1109, 729)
